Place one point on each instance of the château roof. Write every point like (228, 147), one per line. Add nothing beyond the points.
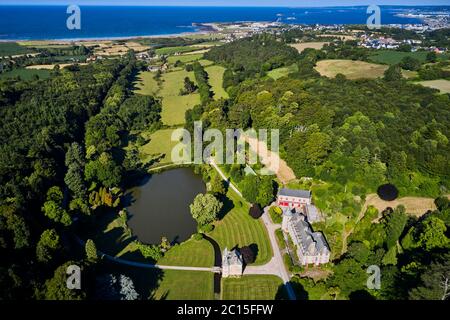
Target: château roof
(294, 193)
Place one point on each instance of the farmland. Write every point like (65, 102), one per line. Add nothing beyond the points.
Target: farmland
(394, 57)
(215, 74)
(442, 85)
(308, 45)
(351, 69)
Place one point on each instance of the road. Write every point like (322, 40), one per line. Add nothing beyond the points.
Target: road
(276, 265)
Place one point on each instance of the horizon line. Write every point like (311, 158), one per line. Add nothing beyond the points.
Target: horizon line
(212, 6)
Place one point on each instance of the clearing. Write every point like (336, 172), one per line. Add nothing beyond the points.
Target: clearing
(160, 144)
(442, 85)
(308, 45)
(52, 66)
(146, 84)
(253, 287)
(351, 69)
(416, 206)
(215, 74)
(278, 73)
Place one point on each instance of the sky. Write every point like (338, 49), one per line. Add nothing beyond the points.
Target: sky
(274, 3)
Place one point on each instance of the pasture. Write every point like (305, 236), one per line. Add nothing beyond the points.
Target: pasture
(215, 74)
(146, 84)
(351, 69)
(25, 74)
(308, 45)
(442, 85)
(278, 73)
(160, 145)
(13, 49)
(394, 57)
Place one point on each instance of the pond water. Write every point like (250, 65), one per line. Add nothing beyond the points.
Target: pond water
(159, 206)
(387, 192)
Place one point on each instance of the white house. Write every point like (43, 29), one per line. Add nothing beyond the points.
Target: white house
(232, 263)
(300, 201)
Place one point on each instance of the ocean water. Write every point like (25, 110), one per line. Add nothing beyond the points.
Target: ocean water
(49, 22)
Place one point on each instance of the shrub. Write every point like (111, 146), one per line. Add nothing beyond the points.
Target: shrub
(255, 211)
(198, 236)
(276, 214)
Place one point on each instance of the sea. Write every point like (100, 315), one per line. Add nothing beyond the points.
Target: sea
(28, 22)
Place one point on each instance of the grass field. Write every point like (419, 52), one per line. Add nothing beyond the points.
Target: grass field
(282, 72)
(25, 74)
(173, 50)
(185, 58)
(12, 49)
(185, 285)
(160, 143)
(351, 69)
(145, 84)
(174, 106)
(253, 287)
(238, 228)
(394, 57)
(191, 253)
(442, 85)
(308, 45)
(215, 74)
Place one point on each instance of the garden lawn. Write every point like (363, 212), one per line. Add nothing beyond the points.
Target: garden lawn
(185, 285)
(191, 253)
(174, 105)
(253, 287)
(237, 228)
(215, 74)
(160, 144)
(146, 84)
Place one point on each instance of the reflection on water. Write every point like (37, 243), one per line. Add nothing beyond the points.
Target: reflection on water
(159, 206)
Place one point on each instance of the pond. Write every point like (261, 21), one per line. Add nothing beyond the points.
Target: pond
(387, 192)
(159, 206)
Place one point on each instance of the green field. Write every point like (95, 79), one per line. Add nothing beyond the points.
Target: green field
(238, 228)
(185, 58)
(25, 74)
(173, 50)
(13, 48)
(253, 287)
(145, 84)
(174, 106)
(191, 253)
(160, 144)
(394, 57)
(282, 72)
(215, 74)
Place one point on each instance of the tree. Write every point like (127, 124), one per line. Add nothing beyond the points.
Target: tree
(249, 188)
(257, 189)
(248, 255)
(91, 251)
(432, 57)
(255, 211)
(47, 245)
(53, 211)
(432, 234)
(189, 86)
(395, 225)
(56, 287)
(434, 282)
(393, 73)
(348, 276)
(217, 185)
(410, 63)
(205, 208)
(359, 252)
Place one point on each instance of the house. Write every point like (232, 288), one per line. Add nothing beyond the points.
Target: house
(289, 198)
(300, 201)
(232, 263)
(311, 247)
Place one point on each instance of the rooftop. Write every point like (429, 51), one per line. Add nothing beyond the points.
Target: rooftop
(294, 193)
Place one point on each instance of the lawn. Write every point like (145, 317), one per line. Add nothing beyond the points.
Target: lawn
(253, 287)
(215, 74)
(160, 144)
(237, 228)
(146, 84)
(25, 74)
(13, 48)
(282, 72)
(394, 57)
(442, 85)
(185, 285)
(351, 69)
(191, 253)
(174, 106)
